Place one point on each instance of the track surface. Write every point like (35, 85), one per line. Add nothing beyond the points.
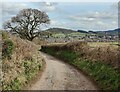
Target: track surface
(61, 76)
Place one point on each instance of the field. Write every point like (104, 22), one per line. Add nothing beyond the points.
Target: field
(77, 34)
(58, 35)
(98, 44)
(72, 34)
(103, 44)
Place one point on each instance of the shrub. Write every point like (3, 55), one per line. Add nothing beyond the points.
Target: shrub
(7, 49)
(21, 62)
(4, 35)
(31, 68)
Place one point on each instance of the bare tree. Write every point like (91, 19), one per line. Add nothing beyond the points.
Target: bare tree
(27, 23)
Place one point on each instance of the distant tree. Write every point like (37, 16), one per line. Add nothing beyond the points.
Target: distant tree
(27, 23)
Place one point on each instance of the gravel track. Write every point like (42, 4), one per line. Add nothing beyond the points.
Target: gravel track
(61, 76)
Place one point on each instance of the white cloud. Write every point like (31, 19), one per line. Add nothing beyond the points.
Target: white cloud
(115, 6)
(114, 22)
(94, 15)
(48, 3)
(58, 23)
(12, 8)
(86, 23)
(95, 20)
(85, 20)
(48, 6)
(61, 24)
(53, 22)
(100, 23)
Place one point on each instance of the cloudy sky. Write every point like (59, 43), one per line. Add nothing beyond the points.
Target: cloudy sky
(71, 15)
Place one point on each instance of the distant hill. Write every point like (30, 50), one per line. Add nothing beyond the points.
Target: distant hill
(69, 31)
(92, 32)
(82, 31)
(109, 32)
(60, 30)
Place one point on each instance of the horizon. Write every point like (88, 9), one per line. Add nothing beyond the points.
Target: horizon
(80, 29)
(95, 16)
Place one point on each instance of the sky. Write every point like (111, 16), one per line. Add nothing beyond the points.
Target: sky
(96, 16)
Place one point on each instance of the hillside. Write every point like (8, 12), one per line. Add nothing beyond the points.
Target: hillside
(60, 30)
(21, 61)
(109, 32)
(69, 31)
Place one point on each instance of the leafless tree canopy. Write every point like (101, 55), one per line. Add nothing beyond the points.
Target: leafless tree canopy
(27, 23)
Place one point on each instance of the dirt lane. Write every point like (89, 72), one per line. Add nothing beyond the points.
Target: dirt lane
(60, 76)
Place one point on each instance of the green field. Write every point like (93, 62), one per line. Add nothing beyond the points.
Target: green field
(103, 44)
(77, 34)
(59, 35)
(73, 34)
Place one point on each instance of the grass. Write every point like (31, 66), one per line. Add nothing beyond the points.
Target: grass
(105, 75)
(31, 68)
(71, 34)
(24, 63)
(102, 44)
(7, 49)
(77, 34)
(58, 35)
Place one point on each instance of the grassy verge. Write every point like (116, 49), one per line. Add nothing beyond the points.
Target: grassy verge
(105, 75)
(31, 68)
